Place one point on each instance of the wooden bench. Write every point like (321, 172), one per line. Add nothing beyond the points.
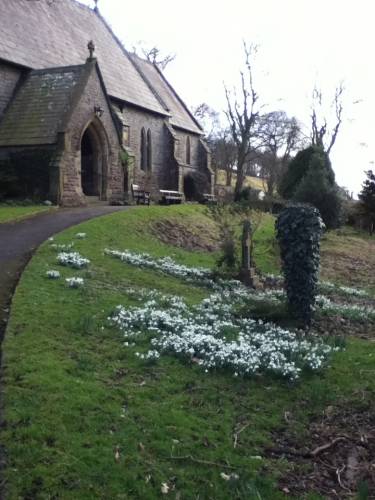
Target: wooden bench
(140, 195)
(209, 198)
(171, 197)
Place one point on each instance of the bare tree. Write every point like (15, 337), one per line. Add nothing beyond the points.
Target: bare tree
(223, 149)
(281, 136)
(224, 154)
(243, 117)
(154, 55)
(209, 120)
(321, 134)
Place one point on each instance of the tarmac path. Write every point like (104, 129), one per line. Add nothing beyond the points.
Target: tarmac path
(19, 240)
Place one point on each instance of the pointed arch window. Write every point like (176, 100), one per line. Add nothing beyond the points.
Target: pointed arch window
(149, 150)
(188, 150)
(143, 149)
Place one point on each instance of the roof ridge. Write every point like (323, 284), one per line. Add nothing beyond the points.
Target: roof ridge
(56, 69)
(154, 91)
(84, 6)
(178, 97)
(125, 52)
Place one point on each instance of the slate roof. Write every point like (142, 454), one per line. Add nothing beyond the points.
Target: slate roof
(181, 116)
(36, 114)
(42, 34)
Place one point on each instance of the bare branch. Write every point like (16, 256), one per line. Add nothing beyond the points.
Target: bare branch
(243, 113)
(319, 132)
(338, 109)
(154, 56)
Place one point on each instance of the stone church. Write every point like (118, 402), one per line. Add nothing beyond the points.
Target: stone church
(81, 119)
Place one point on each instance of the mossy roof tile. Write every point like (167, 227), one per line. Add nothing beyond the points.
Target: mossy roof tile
(36, 113)
(43, 34)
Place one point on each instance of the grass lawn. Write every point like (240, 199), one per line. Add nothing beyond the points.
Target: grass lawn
(348, 256)
(85, 418)
(16, 213)
(253, 182)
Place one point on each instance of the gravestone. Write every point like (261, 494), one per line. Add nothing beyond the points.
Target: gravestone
(247, 274)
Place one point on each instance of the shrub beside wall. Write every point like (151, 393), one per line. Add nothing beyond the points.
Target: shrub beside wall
(25, 174)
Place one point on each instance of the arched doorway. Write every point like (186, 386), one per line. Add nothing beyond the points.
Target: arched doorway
(190, 188)
(93, 162)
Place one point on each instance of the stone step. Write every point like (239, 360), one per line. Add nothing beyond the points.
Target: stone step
(95, 200)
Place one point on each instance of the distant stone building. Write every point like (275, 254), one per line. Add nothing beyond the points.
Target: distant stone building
(79, 122)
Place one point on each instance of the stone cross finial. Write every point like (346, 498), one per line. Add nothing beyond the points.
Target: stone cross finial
(91, 47)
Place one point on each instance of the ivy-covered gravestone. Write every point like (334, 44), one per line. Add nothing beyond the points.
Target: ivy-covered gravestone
(299, 229)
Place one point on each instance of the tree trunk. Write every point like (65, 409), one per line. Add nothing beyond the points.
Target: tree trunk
(239, 185)
(240, 175)
(229, 177)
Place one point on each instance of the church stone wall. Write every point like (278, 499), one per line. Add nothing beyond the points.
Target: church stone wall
(162, 149)
(199, 166)
(70, 163)
(194, 148)
(9, 76)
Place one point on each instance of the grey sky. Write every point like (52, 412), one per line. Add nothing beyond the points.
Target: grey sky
(301, 42)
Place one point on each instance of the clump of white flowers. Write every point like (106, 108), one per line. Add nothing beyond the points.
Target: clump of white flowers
(204, 277)
(72, 259)
(62, 247)
(213, 337)
(75, 282)
(327, 286)
(164, 264)
(53, 275)
(197, 275)
(351, 311)
(81, 236)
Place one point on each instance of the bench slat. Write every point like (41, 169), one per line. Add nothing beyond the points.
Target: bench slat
(140, 195)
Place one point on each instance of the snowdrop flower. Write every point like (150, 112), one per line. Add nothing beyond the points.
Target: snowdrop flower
(199, 335)
(72, 259)
(53, 275)
(62, 247)
(75, 282)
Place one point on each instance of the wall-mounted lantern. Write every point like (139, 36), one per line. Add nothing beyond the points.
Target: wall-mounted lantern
(98, 111)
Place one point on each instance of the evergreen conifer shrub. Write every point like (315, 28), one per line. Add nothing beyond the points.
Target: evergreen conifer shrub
(311, 179)
(300, 165)
(367, 197)
(299, 229)
(315, 190)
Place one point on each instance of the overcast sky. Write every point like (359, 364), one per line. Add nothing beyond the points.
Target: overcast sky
(301, 43)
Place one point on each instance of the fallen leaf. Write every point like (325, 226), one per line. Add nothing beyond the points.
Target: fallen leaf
(206, 442)
(229, 477)
(225, 476)
(164, 488)
(141, 447)
(329, 411)
(287, 416)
